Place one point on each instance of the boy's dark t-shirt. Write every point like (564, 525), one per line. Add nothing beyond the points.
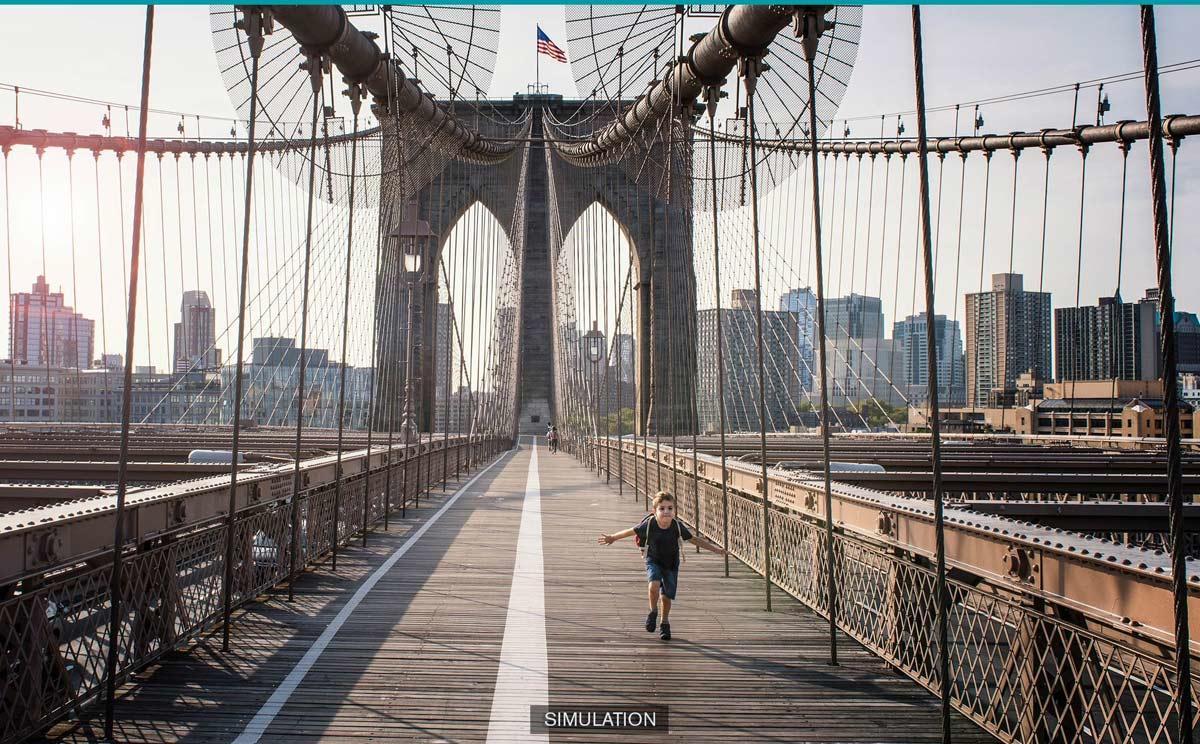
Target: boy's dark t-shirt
(663, 546)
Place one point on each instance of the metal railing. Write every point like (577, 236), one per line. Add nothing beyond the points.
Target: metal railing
(54, 625)
(1025, 666)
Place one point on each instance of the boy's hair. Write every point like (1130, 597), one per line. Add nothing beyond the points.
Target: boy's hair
(660, 497)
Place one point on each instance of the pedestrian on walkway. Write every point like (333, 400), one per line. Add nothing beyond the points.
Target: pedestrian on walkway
(552, 439)
(661, 535)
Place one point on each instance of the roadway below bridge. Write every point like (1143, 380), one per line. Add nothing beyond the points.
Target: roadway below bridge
(495, 597)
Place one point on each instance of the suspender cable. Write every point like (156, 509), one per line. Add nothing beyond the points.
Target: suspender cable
(1012, 246)
(253, 26)
(449, 365)
(356, 104)
(12, 357)
(813, 27)
(751, 67)
(713, 95)
(44, 342)
(1166, 306)
(609, 230)
(655, 365)
(1116, 358)
(314, 71)
(162, 248)
(74, 274)
(376, 363)
(107, 413)
(1083, 153)
(943, 597)
(114, 587)
(973, 374)
(671, 256)
(962, 181)
(449, 346)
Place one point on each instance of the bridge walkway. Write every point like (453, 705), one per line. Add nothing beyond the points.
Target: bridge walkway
(414, 638)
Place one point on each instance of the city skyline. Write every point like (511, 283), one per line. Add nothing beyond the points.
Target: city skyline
(877, 87)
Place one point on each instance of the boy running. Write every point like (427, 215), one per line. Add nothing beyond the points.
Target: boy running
(661, 534)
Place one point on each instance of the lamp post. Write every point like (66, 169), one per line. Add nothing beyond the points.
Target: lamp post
(593, 345)
(413, 237)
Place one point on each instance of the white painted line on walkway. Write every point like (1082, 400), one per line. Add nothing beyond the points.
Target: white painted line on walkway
(262, 719)
(521, 680)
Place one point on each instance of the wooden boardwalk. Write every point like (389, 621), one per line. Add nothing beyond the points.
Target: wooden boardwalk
(417, 658)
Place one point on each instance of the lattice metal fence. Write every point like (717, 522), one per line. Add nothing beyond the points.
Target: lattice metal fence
(1022, 670)
(54, 639)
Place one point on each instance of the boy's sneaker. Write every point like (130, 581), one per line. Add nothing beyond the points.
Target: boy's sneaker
(664, 631)
(651, 621)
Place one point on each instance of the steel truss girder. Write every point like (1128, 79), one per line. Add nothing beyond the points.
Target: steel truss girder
(37, 540)
(1123, 588)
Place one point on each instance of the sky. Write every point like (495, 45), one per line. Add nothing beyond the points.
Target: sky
(971, 53)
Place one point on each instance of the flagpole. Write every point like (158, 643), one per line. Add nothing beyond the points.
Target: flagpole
(537, 62)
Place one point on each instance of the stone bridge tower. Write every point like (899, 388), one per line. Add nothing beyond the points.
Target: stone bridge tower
(663, 274)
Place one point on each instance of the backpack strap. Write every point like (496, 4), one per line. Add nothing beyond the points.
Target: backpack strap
(646, 541)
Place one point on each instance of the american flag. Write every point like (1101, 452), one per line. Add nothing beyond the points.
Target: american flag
(549, 48)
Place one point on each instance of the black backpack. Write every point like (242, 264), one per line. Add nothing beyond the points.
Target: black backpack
(650, 521)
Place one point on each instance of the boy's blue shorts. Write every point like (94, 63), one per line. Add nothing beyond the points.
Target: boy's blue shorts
(667, 579)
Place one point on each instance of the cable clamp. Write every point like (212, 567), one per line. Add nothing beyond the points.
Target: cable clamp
(1044, 143)
(356, 92)
(712, 95)
(1123, 142)
(750, 68)
(1173, 140)
(1076, 136)
(317, 65)
(808, 26)
(256, 22)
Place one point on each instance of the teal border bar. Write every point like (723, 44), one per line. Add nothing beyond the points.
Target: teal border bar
(1053, 3)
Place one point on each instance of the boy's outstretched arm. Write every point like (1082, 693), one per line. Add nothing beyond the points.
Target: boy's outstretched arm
(610, 539)
(706, 544)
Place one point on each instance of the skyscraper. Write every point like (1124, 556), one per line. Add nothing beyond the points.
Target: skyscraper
(739, 328)
(803, 302)
(195, 334)
(1187, 341)
(744, 299)
(624, 357)
(854, 316)
(1110, 340)
(911, 335)
(863, 371)
(45, 331)
(272, 381)
(447, 375)
(1008, 333)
